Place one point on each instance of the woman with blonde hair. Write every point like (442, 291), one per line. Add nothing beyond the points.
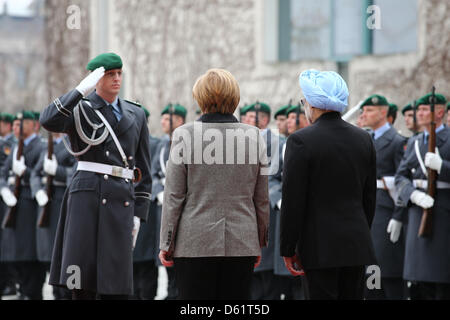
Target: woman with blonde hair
(216, 208)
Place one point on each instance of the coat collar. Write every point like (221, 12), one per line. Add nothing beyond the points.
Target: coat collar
(218, 118)
(385, 139)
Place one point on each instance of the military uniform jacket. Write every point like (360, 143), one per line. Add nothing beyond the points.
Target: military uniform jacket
(426, 259)
(19, 244)
(94, 230)
(268, 257)
(45, 237)
(390, 149)
(146, 245)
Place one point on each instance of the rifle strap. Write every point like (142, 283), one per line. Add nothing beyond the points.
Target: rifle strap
(419, 158)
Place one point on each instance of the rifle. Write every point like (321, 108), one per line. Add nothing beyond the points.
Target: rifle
(9, 221)
(426, 222)
(44, 214)
(257, 108)
(415, 116)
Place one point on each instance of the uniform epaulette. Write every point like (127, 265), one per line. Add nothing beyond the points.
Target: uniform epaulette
(134, 103)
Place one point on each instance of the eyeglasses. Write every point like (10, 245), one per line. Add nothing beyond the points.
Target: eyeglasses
(302, 101)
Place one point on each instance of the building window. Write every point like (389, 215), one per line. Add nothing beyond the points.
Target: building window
(337, 29)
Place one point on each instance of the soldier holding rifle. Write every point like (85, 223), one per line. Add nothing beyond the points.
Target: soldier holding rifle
(427, 258)
(49, 180)
(19, 223)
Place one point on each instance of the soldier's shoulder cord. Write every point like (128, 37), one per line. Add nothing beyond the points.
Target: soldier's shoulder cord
(133, 103)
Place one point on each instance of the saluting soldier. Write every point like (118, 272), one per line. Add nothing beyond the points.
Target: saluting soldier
(60, 169)
(145, 268)
(102, 208)
(19, 241)
(427, 259)
(172, 117)
(387, 227)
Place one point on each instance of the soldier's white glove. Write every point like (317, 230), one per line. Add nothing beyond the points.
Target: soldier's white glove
(8, 197)
(279, 204)
(11, 180)
(160, 197)
(88, 84)
(394, 228)
(137, 226)
(19, 166)
(50, 166)
(41, 198)
(422, 199)
(434, 161)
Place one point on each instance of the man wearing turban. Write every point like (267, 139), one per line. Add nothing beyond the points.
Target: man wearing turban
(329, 190)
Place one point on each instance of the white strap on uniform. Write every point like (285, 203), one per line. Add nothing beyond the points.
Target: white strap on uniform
(161, 160)
(423, 184)
(419, 157)
(101, 168)
(113, 135)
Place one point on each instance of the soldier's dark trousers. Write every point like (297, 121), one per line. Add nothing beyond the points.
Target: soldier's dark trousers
(172, 289)
(346, 283)
(145, 280)
(266, 285)
(31, 278)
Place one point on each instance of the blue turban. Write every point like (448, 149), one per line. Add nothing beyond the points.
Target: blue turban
(324, 90)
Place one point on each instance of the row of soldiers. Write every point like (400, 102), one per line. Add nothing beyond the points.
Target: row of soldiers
(26, 250)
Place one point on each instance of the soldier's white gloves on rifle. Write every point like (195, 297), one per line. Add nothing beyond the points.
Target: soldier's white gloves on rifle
(19, 166)
(160, 197)
(434, 161)
(137, 226)
(50, 166)
(41, 198)
(8, 197)
(88, 84)
(422, 199)
(394, 229)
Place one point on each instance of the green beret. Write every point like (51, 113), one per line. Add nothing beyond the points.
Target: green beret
(407, 108)
(177, 109)
(107, 60)
(294, 109)
(448, 106)
(26, 115)
(263, 108)
(282, 111)
(147, 113)
(6, 117)
(393, 109)
(426, 99)
(37, 115)
(375, 100)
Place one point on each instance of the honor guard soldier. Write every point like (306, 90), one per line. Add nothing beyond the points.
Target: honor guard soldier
(102, 208)
(172, 117)
(387, 227)
(296, 119)
(145, 268)
(427, 255)
(49, 180)
(281, 118)
(19, 221)
(265, 284)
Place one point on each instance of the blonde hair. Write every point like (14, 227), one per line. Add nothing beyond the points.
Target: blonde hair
(217, 91)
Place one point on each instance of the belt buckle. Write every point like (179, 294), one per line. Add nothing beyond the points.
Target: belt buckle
(117, 172)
